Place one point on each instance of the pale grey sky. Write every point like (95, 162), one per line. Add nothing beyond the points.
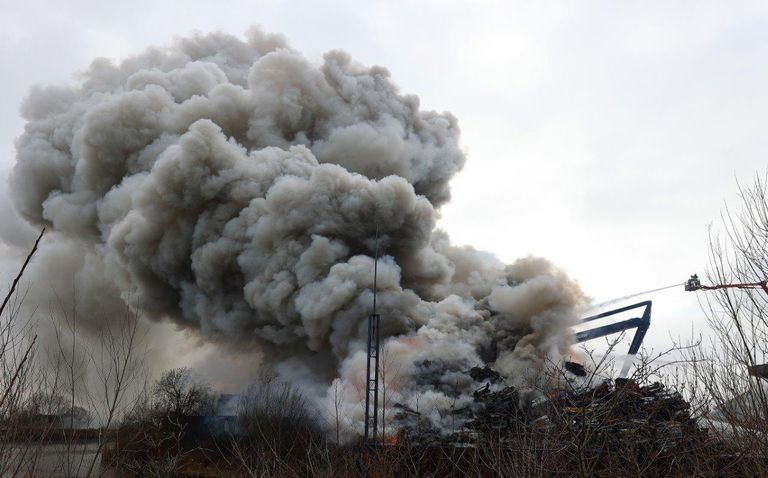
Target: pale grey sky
(602, 135)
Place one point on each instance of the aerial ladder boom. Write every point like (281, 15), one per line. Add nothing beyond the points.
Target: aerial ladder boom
(694, 283)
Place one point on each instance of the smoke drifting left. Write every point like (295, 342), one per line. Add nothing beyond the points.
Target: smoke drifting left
(232, 188)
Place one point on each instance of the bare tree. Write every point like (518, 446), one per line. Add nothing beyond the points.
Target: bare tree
(18, 376)
(738, 318)
(391, 378)
(178, 392)
(100, 372)
(337, 395)
(118, 366)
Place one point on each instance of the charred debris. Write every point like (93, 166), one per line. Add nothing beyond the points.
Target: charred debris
(614, 414)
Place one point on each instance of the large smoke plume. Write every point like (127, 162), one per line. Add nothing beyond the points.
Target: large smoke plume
(234, 188)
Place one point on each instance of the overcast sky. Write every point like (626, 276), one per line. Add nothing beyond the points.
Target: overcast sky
(605, 136)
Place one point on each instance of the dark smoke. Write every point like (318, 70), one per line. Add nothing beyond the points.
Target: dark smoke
(234, 188)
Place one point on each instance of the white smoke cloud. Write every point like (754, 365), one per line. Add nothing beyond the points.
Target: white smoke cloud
(234, 188)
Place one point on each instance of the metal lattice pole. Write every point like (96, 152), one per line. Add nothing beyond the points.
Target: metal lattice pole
(372, 369)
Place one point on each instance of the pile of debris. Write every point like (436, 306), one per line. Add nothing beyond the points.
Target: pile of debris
(612, 414)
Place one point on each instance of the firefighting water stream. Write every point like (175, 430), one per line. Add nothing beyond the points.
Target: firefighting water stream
(233, 187)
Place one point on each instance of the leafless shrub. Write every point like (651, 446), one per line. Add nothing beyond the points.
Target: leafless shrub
(275, 431)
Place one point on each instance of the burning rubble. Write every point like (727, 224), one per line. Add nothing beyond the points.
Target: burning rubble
(615, 413)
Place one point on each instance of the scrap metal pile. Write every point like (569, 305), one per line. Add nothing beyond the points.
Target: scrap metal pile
(613, 414)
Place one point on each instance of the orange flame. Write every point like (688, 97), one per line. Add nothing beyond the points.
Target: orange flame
(411, 341)
(573, 356)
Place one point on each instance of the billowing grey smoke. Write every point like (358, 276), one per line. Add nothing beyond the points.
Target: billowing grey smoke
(234, 188)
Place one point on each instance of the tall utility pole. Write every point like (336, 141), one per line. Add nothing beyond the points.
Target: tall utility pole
(372, 372)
